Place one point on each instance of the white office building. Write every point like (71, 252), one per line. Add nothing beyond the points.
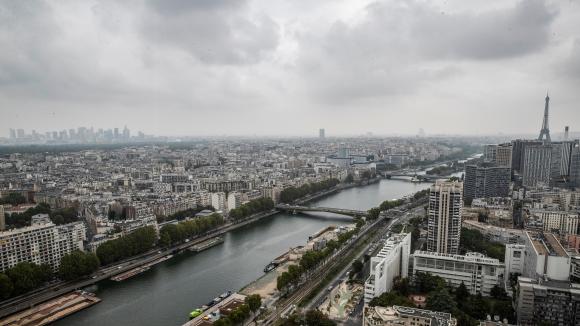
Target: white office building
(391, 262)
(545, 257)
(478, 272)
(514, 262)
(41, 243)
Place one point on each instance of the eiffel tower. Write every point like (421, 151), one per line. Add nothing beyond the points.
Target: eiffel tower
(545, 128)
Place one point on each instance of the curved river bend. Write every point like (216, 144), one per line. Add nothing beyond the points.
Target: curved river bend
(167, 293)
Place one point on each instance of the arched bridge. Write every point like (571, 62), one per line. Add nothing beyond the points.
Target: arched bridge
(342, 211)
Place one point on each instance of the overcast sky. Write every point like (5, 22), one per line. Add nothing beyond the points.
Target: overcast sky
(271, 67)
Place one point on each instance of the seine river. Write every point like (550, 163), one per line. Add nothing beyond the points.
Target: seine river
(167, 293)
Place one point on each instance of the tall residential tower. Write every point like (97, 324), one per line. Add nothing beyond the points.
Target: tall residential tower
(445, 205)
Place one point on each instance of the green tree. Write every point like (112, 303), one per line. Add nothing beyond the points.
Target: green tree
(477, 307)
(357, 266)
(6, 287)
(27, 276)
(425, 282)
(254, 301)
(77, 264)
(461, 293)
(391, 299)
(498, 292)
(164, 239)
(373, 213)
(349, 178)
(317, 318)
(401, 286)
(13, 198)
(440, 300)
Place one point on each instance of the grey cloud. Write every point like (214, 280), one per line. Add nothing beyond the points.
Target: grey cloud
(570, 66)
(490, 35)
(215, 32)
(398, 46)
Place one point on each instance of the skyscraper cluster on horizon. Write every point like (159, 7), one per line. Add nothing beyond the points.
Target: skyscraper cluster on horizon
(78, 135)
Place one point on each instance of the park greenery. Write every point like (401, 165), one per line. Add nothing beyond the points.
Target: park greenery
(241, 313)
(181, 215)
(291, 194)
(171, 234)
(386, 205)
(442, 170)
(310, 260)
(137, 242)
(58, 216)
(22, 278)
(473, 240)
(252, 207)
(77, 264)
(313, 317)
(467, 308)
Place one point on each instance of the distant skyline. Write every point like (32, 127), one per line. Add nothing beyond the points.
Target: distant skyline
(289, 68)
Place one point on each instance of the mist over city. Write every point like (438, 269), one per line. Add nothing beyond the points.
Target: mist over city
(289, 163)
(213, 68)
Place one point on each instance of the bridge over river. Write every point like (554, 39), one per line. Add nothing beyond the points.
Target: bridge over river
(342, 211)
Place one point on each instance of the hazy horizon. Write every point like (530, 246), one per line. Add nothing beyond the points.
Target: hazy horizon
(287, 68)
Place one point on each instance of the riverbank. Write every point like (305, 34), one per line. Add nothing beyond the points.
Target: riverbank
(52, 310)
(189, 280)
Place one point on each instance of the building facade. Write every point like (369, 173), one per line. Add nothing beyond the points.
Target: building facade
(537, 165)
(562, 222)
(41, 243)
(478, 272)
(391, 262)
(545, 257)
(444, 220)
(486, 181)
(547, 302)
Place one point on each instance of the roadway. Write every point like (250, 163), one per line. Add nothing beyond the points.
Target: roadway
(316, 277)
(371, 249)
(342, 211)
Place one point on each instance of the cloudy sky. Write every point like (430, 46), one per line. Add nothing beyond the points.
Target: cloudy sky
(272, 67)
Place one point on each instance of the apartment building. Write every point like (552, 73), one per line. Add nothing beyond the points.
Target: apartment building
(41, 243)
(444, 217)
(486, 181)
(562, 222)
(542, 301)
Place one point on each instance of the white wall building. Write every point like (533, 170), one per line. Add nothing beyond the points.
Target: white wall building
(219, 201)
(514, 262)
(41, 243)
(391, 262)
(478, 272)
(545, 257)
(234, 200)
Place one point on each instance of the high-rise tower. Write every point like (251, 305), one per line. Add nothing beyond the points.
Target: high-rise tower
(444, 221)
(545, 132)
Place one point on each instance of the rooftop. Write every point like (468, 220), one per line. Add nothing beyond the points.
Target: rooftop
(474, 257)
(394, 313)
(546, 244)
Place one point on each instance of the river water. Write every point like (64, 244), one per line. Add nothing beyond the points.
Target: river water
(167, 293)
